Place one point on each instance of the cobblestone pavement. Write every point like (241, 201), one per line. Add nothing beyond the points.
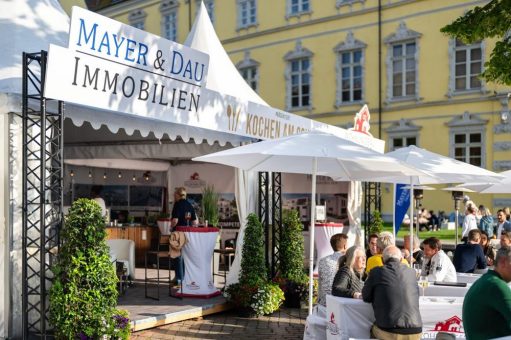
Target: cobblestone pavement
(287, 323)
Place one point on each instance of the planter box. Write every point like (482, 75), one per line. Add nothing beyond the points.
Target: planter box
(164, 225)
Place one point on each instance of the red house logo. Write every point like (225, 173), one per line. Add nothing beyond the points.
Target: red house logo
(361, 121)
(332, 325)
(452, 325)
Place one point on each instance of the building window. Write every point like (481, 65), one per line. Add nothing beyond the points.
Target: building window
(402, 64)
(297, 7)
(168, 10)
(468, 66)
(298, 78)
(402, 134)
(403, 69)
(467, 139)
(137, 19)
(210, 7)
(247, 13)
(249, 70)
(350, 70)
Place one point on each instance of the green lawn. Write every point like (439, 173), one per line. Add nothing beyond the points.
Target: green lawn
(442, 234)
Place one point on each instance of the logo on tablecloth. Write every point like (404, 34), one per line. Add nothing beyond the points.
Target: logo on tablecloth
(332, 325)
(192, 286)
(453, 325)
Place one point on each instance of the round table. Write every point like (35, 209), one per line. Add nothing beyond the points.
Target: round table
(197, 253)
(323, 233)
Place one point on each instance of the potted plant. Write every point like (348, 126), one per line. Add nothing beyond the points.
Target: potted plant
(83, 297)
(209, 206)
(131, 220)
(254, 294)
(291, 276)
(377, 223)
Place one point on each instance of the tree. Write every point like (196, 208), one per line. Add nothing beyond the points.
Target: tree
(490, 21)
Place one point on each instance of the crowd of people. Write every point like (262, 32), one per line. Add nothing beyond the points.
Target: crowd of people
(386, 277)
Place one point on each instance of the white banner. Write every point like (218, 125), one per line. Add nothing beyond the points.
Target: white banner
(115, 67)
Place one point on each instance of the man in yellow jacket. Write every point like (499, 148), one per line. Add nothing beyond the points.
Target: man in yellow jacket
(385, 239)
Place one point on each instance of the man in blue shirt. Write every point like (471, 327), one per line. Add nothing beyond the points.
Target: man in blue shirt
(470, 256)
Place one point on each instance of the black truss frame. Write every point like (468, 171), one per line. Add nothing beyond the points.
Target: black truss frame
(42, 216)
(270, 215)
(372, 202)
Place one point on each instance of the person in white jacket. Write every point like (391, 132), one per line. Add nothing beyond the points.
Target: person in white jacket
(437, 266)
(470, 221)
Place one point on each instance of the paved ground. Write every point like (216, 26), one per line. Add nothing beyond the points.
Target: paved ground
(284, 324)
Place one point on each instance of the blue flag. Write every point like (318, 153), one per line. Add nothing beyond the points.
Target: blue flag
(401, 204)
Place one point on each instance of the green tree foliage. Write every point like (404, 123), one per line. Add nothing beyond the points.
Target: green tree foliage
(490, 21)
(291, 248)
(377, 223)
(83, 297)
(253, 270)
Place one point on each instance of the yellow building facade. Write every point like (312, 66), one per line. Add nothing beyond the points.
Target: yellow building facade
(324, 59)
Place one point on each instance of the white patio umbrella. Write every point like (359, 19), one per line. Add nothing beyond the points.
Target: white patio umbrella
(436, 169)
(316, 153)
(502, 187)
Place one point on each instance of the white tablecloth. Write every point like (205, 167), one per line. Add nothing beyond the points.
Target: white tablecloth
(467, 277)
(353, 318)
(433, 290)
(197, 252)
(322, 235)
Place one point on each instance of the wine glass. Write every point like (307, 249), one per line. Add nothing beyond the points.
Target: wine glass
(424, 283)
(188, 217)
(417, 269)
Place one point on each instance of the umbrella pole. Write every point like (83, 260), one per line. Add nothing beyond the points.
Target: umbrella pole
(411, 222)
(311, 233)
(456, 226)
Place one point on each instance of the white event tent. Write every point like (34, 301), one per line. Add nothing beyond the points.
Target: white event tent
(30, 26)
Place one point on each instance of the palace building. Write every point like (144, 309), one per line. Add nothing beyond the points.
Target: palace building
(324, 59)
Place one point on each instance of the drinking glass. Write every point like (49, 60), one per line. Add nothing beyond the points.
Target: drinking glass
(424, 283)
(188, 217)
(417, 269)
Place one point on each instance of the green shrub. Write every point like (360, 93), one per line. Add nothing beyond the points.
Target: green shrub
(209, 205)
(377, 223)
(253, 292)
(291, 249)
(83, 297)
(253, 269)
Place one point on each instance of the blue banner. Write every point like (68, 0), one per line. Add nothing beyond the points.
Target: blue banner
(401, 204)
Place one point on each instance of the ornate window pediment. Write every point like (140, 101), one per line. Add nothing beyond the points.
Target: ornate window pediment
(403, 126)
(466, 119)
(402, 33)
(247, 61)
(298, 52)
(350, 44)
(137, 16)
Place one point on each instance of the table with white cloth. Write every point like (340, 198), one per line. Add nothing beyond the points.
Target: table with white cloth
(437, 290)
(197, 254)
(353, 318)
(467, 277)
(322, 234)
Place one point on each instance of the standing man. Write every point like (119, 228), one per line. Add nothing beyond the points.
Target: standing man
(329, 265)
(437, 266)
(487, 304)
(470, 256)
(502, 223)
(181, 210)
(394, 294)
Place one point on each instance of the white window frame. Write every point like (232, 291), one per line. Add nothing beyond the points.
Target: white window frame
(349, 45)
(301, 11)
(168, 8)
(136, 18)
(452, 91)
(251, 20)
(249, 64)
(402, 36)
(467, 124)
(402, 129)
(299, 53)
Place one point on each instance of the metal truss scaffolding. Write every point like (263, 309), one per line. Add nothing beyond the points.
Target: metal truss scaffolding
(270, 215)
(42, 195)
(372, 202)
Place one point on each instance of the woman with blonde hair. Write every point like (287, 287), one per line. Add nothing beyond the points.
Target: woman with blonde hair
(349, 279)
(486, 223)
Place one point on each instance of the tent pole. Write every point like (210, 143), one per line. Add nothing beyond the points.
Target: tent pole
(411, 221)
(311, 232)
